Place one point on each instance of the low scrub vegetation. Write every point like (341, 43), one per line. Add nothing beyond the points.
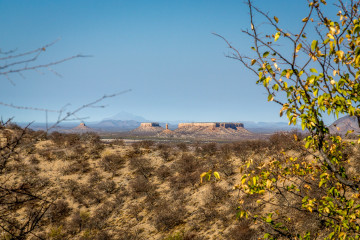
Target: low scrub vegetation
(70, 186)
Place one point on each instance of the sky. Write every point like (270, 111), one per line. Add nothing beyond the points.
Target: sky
(162, 50)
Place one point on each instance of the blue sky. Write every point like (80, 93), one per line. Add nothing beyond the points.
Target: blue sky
(163, 50)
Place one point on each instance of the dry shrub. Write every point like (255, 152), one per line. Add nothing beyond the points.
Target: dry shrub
(188, 179)
(34, 160)
(107, 186)
(242, 231)
(163, 172)
(147, 144)
(188, 163)
(120, 197)
(135, 209)
(141, 166)
(226, 166)
(168, 215)
(284, 141)
(102, 235)
(58, 211)
(134, 153)
(140, 185)
(78, 222)
(189, 169)
(46, 154)
(112, 163)
(166, 152)
(129, 234)
(118, 142)
(208, 212)
(226, 151)
(183, 236)
(94, 178)
(67, 139)
(166, 155)
(217, 194)
(59, 154)
(162, 146)
(83, 193)
(209, 149)
(80, 166)
(101, 215)
(59, 139)
(183, 147)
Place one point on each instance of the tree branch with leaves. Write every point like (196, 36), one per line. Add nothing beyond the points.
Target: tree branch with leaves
(311, 79)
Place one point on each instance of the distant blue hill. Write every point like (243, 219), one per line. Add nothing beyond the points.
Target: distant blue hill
(126, 116)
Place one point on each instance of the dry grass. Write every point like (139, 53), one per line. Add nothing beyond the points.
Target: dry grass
(140, 191)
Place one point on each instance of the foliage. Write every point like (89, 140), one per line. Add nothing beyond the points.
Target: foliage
(310, 79)
(207, 175)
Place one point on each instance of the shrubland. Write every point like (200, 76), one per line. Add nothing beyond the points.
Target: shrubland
(72, 186)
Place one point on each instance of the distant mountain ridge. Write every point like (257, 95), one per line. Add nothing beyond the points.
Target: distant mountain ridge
(125, 121)
(344, 124)
(116, 125)
(126, 116)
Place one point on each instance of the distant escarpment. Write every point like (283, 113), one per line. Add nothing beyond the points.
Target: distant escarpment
(206, 130)
(212, 130)
(149, 128)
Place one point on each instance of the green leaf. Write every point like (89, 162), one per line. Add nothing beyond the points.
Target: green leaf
(266, 54)
(313, 70)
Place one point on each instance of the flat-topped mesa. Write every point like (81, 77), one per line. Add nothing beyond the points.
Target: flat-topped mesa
(148, 128)
(149, 124)
(212, 125)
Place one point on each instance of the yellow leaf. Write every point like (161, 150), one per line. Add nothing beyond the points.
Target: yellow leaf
(334, 73)
(295, 137)
(217, 175)
(277, 35)
(202, 176)
(253, 61)
(332, 82)
(305, 19)
(288, 74)
(276, 19)
(298, 47)
(330, 36)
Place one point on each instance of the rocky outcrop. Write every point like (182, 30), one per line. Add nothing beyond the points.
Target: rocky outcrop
(213, 125)
(149, 125)
(206, 130)
(81, 128)
(150, 128)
